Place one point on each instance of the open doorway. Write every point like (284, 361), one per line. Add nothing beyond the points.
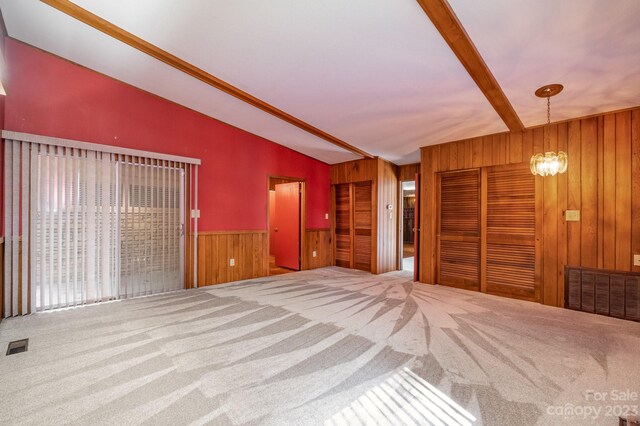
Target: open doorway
(407, 228)
(285, 216)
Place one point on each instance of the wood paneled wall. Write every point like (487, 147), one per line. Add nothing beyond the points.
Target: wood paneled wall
(248, 248)
(388, 219)
(355, 171)
(408, 171)
(602, 182)
(384, 191)
(318, 240)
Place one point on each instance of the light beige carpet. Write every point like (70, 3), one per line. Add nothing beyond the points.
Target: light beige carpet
(330, 346)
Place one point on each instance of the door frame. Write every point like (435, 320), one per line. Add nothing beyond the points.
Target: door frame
(400, 225)
(303, 217)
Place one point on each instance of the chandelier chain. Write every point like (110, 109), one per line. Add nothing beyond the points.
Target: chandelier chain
(548, 163)
(548, 135)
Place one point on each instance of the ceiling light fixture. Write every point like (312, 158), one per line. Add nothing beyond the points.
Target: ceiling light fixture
(549, 163)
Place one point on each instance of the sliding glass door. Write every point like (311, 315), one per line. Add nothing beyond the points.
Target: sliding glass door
(88, 223)
(151, 218)
(96, 226)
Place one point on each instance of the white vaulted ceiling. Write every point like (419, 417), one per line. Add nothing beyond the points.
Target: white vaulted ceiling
(592, 47)
(373, 73)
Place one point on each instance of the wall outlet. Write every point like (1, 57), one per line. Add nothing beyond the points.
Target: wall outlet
(195, 214)
(232, 262)
(636, 260)
(572, 215)
(326, 215)
(314, 253)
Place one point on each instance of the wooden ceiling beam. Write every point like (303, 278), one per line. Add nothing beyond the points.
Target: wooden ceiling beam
(447, 23)
(126, 37)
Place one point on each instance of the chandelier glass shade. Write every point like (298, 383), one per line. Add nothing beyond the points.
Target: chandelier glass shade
(549, 164)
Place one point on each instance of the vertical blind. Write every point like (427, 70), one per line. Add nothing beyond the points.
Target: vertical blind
(151, 218)
(73, 225)
(84, 226)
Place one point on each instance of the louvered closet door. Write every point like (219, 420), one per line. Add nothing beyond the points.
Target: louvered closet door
(362, 226)
(459, 229)
(343, 235)
(510, 232)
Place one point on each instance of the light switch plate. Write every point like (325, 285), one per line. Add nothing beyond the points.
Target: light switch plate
(326, 215)
(636, 260)
(232, 262)
(314, 253)
(195, 214)
(572, 215)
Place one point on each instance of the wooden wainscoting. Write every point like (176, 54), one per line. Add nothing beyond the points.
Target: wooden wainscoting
(249, 249)
(215, 249)
(318, 240)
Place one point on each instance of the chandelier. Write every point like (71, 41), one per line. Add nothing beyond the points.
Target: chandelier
(549, 163)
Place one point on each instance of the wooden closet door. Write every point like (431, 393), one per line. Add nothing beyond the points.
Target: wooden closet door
(459, 229)
(343, 226)
(510, 252)
(362, 223)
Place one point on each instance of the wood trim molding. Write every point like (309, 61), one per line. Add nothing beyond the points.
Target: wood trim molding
(83, 15)
(447, 23)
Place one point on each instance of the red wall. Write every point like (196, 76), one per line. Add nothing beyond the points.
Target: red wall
(2, 100)
(53, 97)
